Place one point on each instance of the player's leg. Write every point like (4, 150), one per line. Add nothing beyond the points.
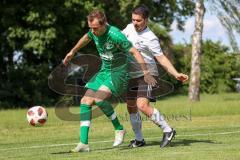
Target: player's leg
(102, 95)
(157, 118)
(85, 107)
(135, 118)
(136, 123)
(85, 120)
(145, 94)
(154, 114)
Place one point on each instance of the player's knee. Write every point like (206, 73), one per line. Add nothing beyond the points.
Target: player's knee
(96, 100)
(87, 100)
(142, 106)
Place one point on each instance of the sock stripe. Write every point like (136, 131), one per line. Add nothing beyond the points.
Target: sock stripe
(107, 109)
(85, 123)
(113, 116)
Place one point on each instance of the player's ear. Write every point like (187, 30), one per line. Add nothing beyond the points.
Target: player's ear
(146, 20)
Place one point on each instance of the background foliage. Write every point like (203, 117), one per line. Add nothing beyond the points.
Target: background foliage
(218, 66)
(36, 35)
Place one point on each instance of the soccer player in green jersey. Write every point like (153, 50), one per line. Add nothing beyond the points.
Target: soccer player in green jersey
(112, 78)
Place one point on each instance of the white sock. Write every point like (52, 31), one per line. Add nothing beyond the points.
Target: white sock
(136, 123)
(158, 119)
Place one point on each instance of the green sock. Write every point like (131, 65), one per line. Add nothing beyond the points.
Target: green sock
(107, 109)
(85, 119)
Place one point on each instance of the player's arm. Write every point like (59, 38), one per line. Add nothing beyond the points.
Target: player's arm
(81, 43)
(147, 76)
(154, 47)
(126, 46)
(163, 60)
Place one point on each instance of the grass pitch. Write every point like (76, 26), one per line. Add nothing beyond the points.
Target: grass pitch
(209, 129)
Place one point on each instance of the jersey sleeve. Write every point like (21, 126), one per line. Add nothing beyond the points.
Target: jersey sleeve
(127, 30)
(90, 34)
(124, 31)
(122, 42)
(154, 47)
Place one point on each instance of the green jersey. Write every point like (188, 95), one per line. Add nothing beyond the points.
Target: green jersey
(112, 47)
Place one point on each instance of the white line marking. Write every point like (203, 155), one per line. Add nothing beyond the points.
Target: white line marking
(107, 141)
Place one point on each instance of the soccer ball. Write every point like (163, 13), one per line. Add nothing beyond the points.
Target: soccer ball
(37, 116)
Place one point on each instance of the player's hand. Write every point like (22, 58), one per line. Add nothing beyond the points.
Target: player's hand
(68, 57)
(181, 77)
(149, 79)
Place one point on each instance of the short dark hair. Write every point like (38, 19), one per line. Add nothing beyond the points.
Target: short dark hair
(141, 10)
(100, 15)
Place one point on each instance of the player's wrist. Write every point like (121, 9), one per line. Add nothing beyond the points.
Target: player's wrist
(72, 52)
(176, 75)
(145, 72)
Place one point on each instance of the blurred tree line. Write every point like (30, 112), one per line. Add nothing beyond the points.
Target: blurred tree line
(218, 66)
(37, 34)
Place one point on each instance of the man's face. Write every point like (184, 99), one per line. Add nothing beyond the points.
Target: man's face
(96, 28)
(139, 22)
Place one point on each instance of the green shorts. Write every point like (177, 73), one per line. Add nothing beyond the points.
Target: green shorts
(116, 80)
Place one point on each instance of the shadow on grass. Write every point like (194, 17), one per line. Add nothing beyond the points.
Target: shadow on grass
(62, 152)
(93, 150)
(174, 143)
(187, 142)
(180, 142)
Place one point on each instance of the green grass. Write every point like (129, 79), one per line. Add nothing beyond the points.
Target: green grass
(209, 129)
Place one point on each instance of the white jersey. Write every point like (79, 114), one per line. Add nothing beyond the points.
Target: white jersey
(147, 43)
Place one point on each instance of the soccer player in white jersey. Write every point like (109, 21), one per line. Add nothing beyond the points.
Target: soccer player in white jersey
(148, 45)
